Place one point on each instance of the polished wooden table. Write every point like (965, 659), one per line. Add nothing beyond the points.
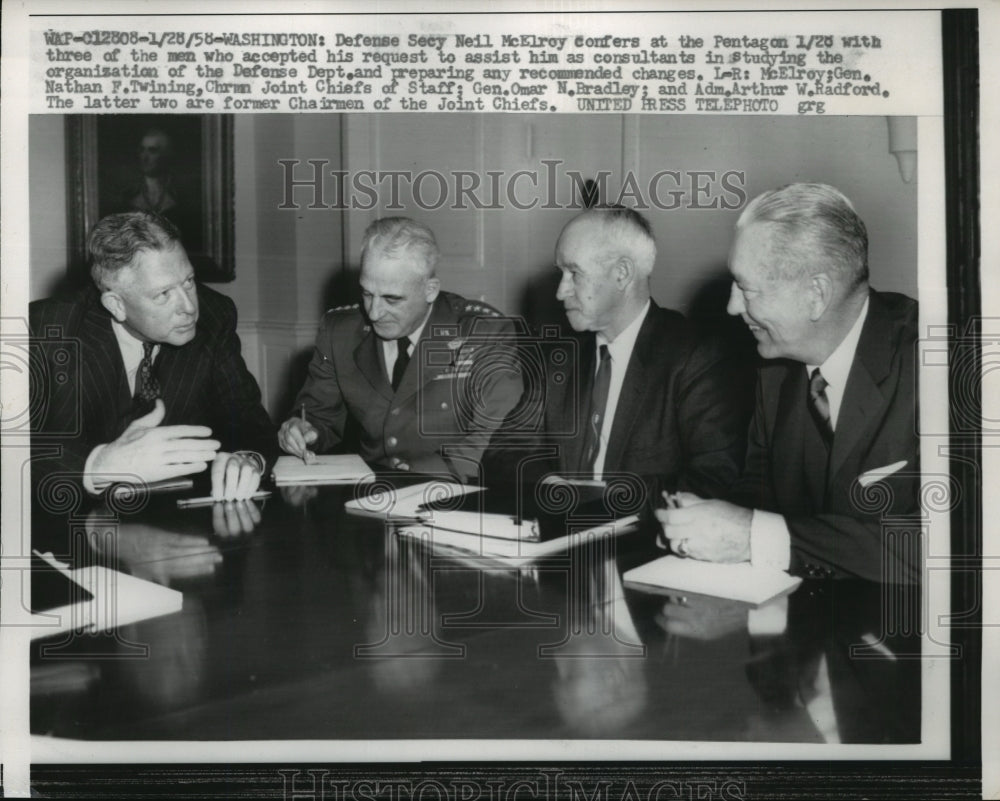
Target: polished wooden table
(301, 621)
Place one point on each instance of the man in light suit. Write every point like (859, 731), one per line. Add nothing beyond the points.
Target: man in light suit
(425, 375)
(833, 453)
(140, 377)
(643, 395)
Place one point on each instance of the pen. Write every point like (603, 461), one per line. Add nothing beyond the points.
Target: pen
(189, 503)
(307, 458)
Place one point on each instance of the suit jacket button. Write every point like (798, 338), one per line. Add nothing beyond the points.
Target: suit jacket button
(392, 442)
(444, 404)
(394, 412)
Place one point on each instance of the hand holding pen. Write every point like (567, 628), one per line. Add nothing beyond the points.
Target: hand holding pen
(296, 435)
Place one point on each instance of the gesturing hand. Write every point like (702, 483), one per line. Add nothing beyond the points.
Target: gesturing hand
(153, 452)
(295, 436)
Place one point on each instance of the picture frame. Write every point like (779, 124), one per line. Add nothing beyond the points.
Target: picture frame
(109, 173)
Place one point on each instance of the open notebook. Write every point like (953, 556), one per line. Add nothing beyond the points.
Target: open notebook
(346, 468)
(736, 582)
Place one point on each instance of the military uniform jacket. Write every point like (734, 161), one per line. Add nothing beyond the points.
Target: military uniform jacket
(461, 381)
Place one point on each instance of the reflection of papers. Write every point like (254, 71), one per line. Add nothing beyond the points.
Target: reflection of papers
(736, 582)
(512, 552)
(404, 503)
(348, 468)
(119, 599)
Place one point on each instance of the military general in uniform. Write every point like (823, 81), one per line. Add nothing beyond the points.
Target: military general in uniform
(425, 375)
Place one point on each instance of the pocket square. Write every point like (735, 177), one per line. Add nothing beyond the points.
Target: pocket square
(869, 477)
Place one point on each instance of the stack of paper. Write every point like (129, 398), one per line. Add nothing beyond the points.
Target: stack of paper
(512, 552)
(404, 503)
(736, 582)
(327, 469)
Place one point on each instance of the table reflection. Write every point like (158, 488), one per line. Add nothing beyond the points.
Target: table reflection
(303, 621)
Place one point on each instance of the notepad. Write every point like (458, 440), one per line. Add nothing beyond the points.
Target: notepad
(104, 599)
(347, 468)
(737, 582)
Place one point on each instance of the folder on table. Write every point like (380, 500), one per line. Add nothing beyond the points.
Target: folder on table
(92, 598)
(736, 582)
(405, 503)
(346, 468)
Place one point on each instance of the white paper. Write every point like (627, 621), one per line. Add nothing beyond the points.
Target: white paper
(737, 582)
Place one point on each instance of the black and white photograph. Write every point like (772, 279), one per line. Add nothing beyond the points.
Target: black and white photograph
(393, 425)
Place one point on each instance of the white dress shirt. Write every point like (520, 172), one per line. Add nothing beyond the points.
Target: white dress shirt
(620, 351)
(770, 540)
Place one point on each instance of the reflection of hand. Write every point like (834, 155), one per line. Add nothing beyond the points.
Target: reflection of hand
(295, 436)
(702, 618)
(154, 452)
(234, 477)
(152, 553)
(298, 494)
(713, 531)
(234, 519)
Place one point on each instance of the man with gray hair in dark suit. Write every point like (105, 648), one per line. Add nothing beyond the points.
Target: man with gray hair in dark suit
(151, 384)
(833, 451)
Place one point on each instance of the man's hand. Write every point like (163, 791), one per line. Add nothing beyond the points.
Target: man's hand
(713, 531)
(154, 452)
(234, 477)
(295, 436)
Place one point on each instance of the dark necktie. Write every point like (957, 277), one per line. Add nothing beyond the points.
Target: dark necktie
(819, 405)
(598, 402)
(402, 359)
(147, 388)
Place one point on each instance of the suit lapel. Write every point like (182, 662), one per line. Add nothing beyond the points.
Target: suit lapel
(368, 358)
(638, 377)
(104, 363)
(863, 403)
(790, 423)
(576, 401)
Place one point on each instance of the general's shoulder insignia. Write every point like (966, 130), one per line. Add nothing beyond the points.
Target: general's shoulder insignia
(348, 307)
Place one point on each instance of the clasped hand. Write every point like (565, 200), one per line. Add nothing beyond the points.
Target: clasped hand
(153, 452)
(713, 531)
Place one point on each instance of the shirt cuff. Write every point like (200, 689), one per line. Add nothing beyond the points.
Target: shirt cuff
(89, 484)
(770, 542)
(255, 457)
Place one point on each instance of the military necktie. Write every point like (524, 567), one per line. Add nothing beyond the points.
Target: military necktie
(819, 405)
(598, 403)
(402, 359)
(147, 388)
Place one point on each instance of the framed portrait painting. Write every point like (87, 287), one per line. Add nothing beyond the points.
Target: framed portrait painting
(180, 166)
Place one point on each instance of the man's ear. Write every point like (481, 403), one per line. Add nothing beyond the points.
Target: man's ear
(431, 289)
(112, 301)
(821, 295)
(624, 272)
